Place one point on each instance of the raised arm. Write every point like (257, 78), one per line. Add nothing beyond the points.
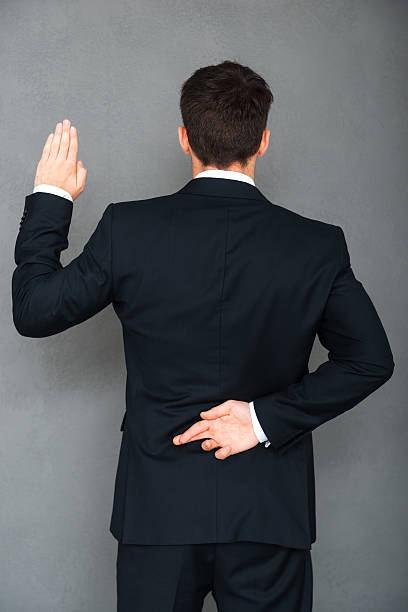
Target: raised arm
(47, 298)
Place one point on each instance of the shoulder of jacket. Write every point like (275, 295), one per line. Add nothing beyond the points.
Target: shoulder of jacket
(305, 223)
(126, 205)
(320, 240)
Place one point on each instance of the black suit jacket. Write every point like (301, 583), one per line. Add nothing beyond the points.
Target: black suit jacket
(220, 293)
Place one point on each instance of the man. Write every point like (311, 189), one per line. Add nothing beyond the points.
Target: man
(220, 293)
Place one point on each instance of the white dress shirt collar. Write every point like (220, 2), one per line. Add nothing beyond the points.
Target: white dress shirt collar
(228, 174)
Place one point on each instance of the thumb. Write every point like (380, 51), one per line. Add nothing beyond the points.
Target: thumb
(81, 175)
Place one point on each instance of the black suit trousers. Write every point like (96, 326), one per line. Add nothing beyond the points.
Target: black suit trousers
(242, 577)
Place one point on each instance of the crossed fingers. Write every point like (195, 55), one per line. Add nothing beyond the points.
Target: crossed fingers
(204, 430)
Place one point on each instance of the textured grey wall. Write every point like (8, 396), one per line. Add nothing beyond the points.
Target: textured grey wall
(338, 152)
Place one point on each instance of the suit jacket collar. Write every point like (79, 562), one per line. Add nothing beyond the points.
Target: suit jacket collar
(222, 187)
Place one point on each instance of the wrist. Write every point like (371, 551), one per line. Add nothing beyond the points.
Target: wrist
(54, 189)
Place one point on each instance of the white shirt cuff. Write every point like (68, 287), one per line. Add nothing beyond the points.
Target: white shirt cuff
(45, 188)
(259, 432)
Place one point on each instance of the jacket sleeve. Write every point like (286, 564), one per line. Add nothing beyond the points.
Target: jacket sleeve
(359, 361)
(48, 298)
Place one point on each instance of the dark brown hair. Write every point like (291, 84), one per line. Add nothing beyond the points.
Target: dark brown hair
(225, 109)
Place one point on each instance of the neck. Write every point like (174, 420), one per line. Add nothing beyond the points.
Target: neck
(249, 170)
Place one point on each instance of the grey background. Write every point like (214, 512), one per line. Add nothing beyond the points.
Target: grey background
(338, 152)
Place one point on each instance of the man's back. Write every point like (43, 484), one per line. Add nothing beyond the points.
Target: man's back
(220, 294)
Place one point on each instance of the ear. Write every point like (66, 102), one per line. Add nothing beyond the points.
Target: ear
(264, 143)
(183, 139)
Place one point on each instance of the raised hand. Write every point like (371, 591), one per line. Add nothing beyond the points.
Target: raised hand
(58, 164)
(227, 425)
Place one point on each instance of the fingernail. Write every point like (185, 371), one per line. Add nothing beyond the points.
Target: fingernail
(66, 122)
(72, 128)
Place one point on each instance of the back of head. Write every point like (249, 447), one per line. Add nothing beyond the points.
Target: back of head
(225, 110)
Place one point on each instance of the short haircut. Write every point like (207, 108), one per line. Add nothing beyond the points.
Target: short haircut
(225, 110)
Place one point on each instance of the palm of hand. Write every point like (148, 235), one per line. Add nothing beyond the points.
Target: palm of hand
(58, 164)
